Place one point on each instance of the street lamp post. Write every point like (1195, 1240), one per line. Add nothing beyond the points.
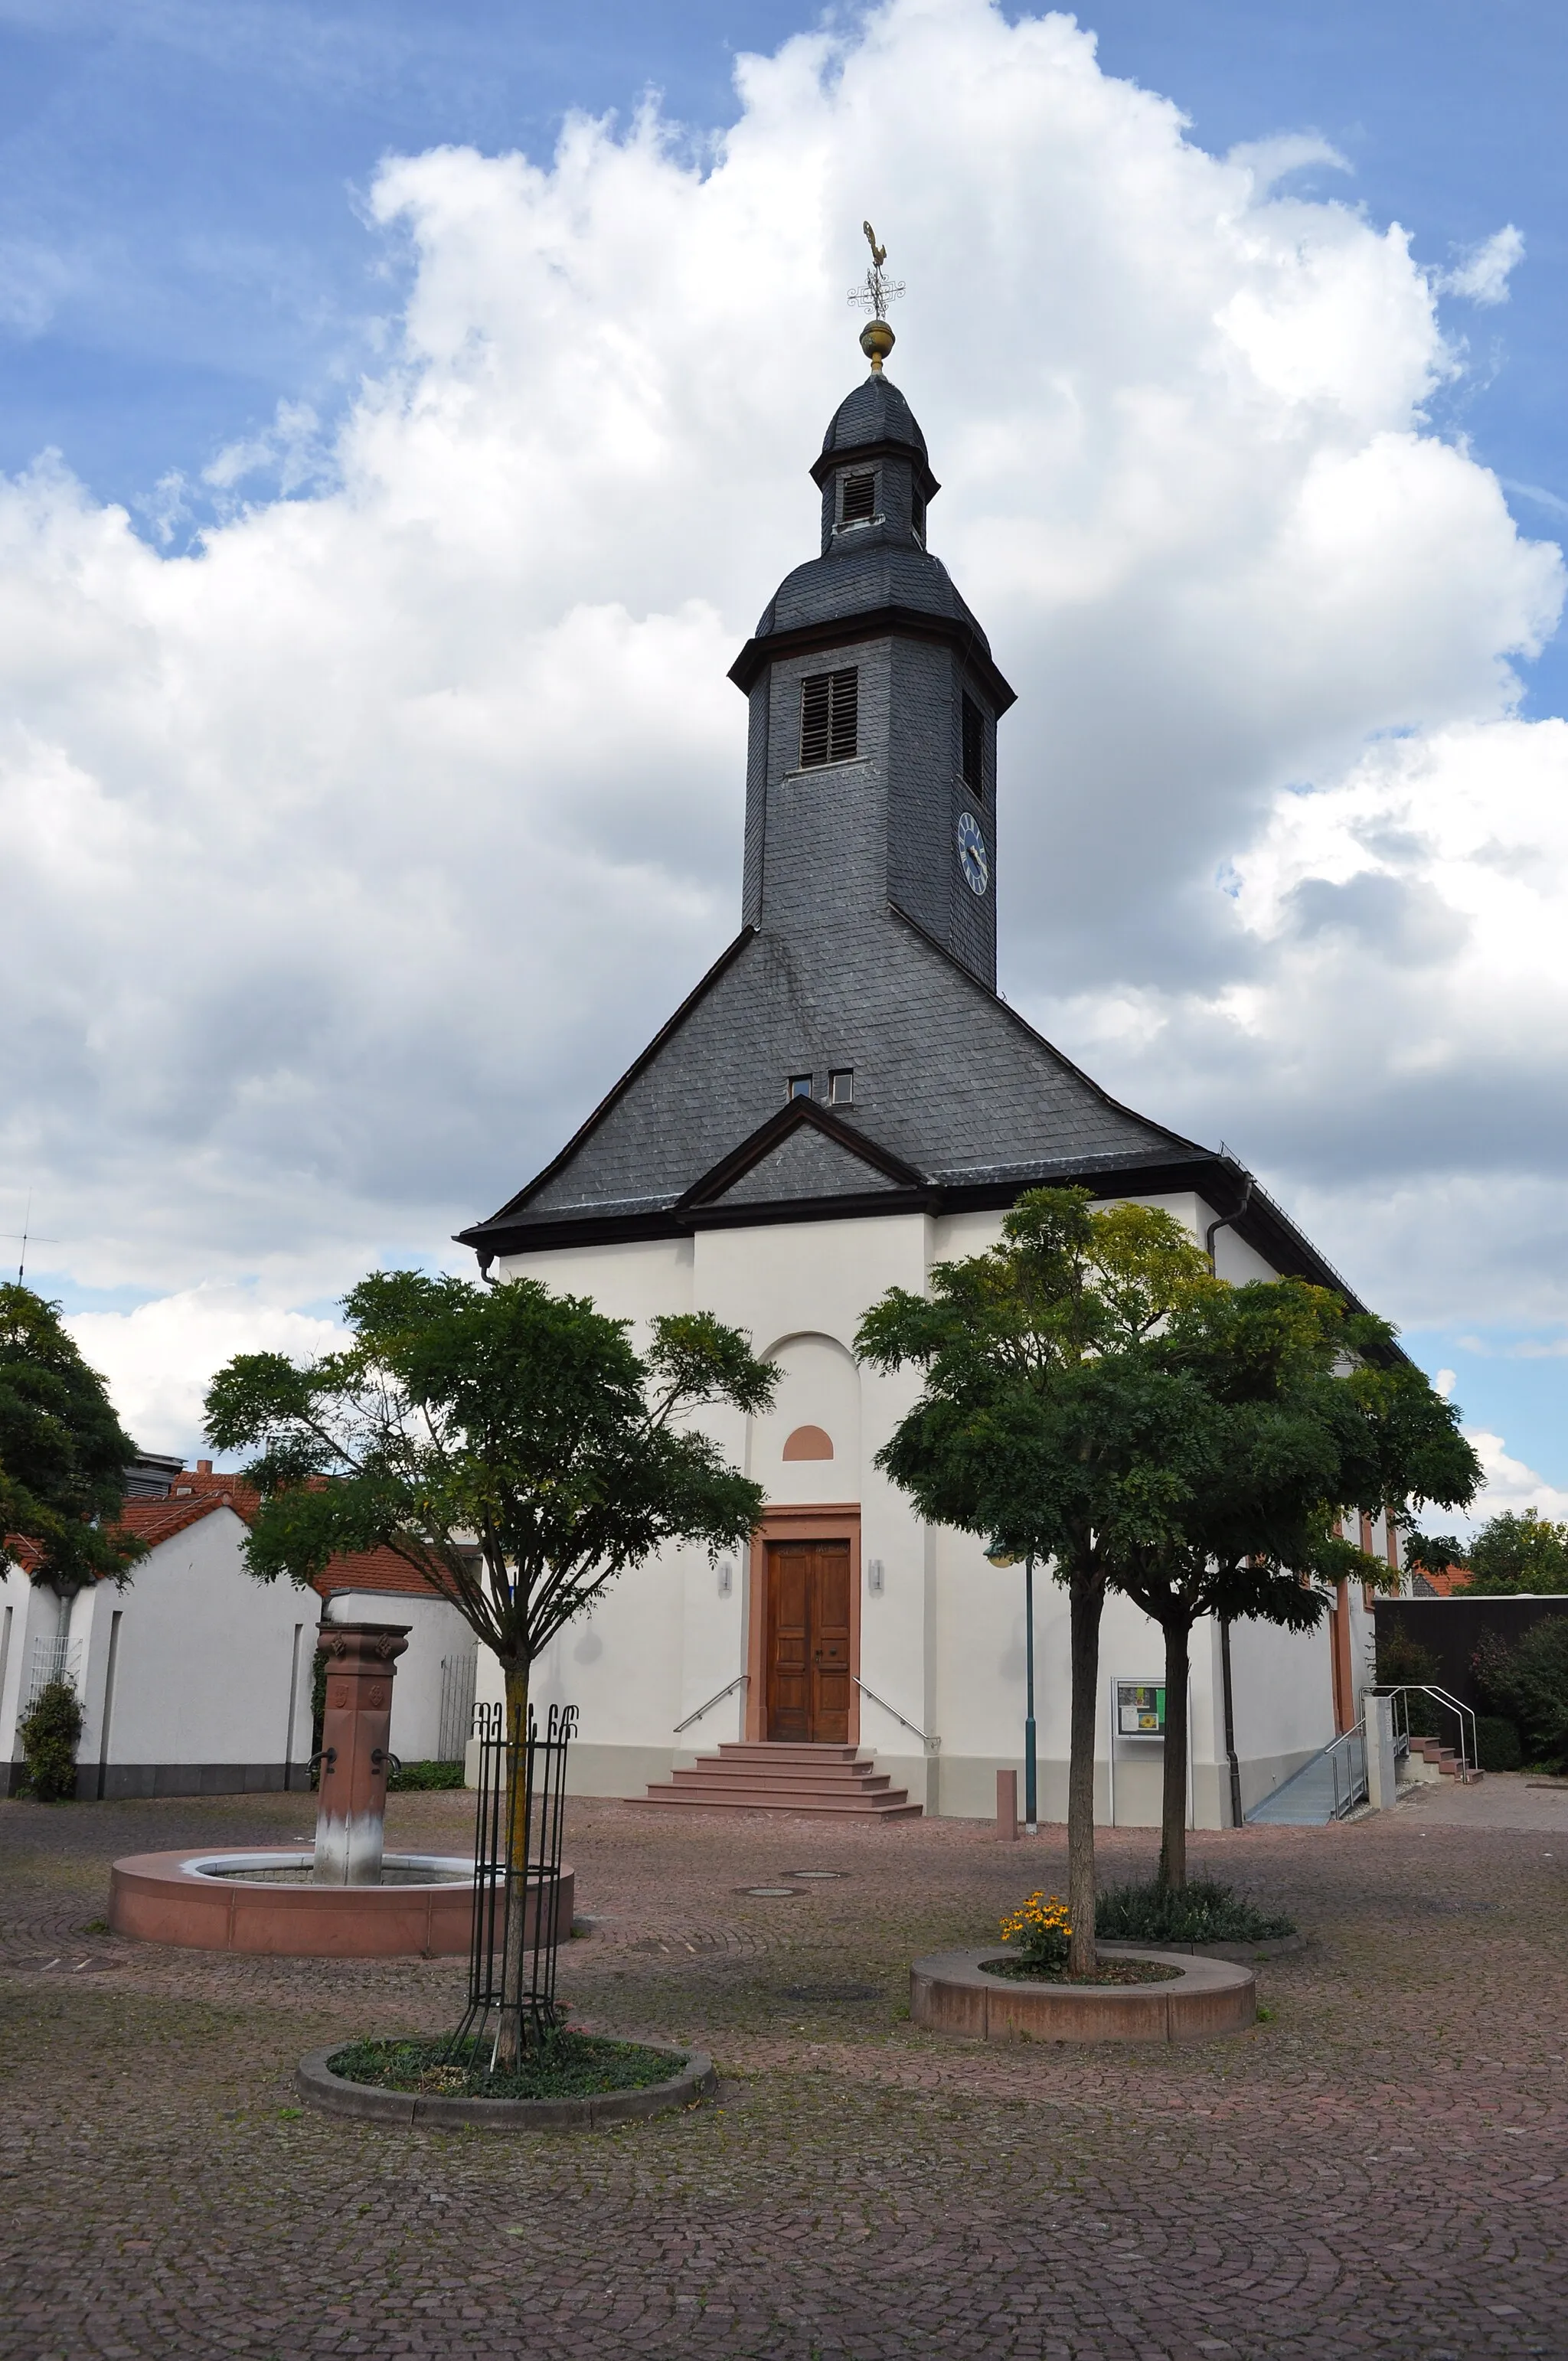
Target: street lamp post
(1000, 1557)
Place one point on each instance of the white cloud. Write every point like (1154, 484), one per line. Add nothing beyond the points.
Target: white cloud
(350, 856)
(1510, 1485)
(159, 1359)
(1482, 273)
(1270, 161)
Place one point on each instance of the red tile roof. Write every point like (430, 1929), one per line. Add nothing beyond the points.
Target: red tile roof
(1453, 1578)
(378, 1569)
(198, 1492)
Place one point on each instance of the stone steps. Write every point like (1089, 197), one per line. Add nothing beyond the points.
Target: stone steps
(1445, 1758)
(743, 1777)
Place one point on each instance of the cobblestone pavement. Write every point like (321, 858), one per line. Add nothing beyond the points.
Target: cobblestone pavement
(1377, 2169)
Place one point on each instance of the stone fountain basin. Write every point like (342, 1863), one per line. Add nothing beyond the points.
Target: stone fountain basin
(263, 1902)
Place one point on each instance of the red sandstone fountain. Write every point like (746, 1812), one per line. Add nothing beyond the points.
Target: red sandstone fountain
(348, 1898)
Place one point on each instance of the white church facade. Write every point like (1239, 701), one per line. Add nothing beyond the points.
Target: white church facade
(844, 1101)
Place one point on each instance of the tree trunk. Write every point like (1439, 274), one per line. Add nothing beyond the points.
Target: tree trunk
(512, 2031)
(1086, 1593)
(1173, 1801)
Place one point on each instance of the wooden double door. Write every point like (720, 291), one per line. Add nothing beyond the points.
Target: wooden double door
(807, 1660)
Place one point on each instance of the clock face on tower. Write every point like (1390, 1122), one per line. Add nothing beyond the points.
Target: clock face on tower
(972, 858)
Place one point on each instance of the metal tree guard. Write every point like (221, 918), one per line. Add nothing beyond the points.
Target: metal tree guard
(541, 1765)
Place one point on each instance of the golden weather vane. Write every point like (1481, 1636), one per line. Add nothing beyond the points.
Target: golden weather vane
(874, 293)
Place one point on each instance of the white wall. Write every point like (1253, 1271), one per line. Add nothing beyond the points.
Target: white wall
(943, 1642)
(185, 1674)
(436, 1632)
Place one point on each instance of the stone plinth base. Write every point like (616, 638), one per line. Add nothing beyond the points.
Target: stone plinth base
(950, 1993)
(202, 1901)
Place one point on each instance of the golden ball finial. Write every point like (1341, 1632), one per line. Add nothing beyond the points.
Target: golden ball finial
(876, 342)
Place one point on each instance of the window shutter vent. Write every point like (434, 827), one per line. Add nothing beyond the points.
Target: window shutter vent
(859, 499)
(974, 745)
(917, 514)
(830, 718)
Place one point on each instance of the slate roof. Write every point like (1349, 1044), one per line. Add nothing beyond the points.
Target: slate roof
(875, 413)
(952, 1088)
(957, 1102)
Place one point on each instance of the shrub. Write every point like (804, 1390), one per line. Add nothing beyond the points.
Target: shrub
(1530, 1681)
(1202, 1911)
(1497, 1744)
(427, 1775)
(50, 1731)
(1042, 1930)
(1403, 1662)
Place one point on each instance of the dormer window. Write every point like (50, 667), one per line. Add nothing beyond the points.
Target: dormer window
(830, 718)
(973, 746)
(841, 1086)
(858, 501)
(799, 1087)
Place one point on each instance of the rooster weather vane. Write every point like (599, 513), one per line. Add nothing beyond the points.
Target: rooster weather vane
(873, 295)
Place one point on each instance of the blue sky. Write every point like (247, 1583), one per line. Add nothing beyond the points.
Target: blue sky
(184, 189)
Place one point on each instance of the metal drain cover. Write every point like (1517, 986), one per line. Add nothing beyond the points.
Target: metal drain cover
(817, 1873)
(769, 1892)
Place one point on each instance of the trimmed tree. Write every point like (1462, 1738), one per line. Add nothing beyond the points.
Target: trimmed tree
(508, 1444)
(1515, 1553)
(1293, 1410)
(1046, 1424)
(63, 1453)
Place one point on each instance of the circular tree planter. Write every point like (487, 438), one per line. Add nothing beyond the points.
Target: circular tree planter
(951, 1994)
(692, 2080)
(1262, 1946)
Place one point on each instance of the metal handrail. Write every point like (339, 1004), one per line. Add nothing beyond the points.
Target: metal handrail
(739, 1682)
(932, 1745)
(1468, 1753)
(1349, 1776)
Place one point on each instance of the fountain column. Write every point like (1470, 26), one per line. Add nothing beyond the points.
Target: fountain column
(361, 1661)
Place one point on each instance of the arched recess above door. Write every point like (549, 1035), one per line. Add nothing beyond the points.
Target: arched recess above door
(808, 1442)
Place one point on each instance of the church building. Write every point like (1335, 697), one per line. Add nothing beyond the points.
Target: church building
(842, 1102)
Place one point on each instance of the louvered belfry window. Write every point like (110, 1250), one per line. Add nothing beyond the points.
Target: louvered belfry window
(859, 499)
(830, 718)
(974, 745)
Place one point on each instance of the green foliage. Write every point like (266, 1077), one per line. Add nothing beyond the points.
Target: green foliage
(566, 2066)
(62, 1450)
(1497, 1744)
(1041, 1400)
(414, 1776)
(1202, 1911)
(508, 1443)
(1095, 1396)
(1518, 1553)
(1403, 1663)
(1401, 1660)
(1528, 1681)
(1435, 1554)
(50, 1732)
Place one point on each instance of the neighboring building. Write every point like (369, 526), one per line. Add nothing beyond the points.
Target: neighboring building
(844, 1100)
(433, 1697)
(195, 1678)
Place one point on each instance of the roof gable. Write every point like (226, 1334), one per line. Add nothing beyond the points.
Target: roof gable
(801, 1154)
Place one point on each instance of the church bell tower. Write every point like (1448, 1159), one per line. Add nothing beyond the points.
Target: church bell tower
(871, 760)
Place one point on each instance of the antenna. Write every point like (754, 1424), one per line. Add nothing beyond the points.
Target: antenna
(24, 1233)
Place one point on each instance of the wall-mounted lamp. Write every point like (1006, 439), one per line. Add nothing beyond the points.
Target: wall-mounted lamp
(873, 1576)
(726, 1577)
